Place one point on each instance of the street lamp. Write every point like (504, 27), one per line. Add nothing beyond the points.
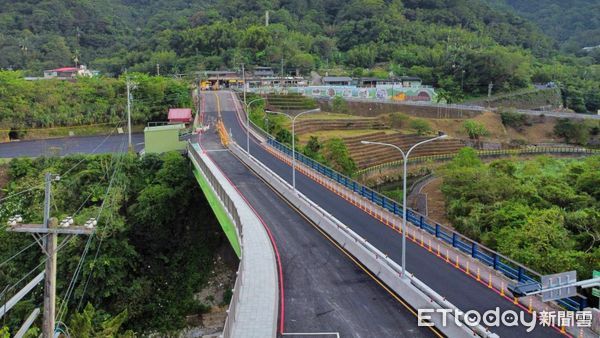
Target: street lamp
(294, 138)
(404, 174)
(248, 122)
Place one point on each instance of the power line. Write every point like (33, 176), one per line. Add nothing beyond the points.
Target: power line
(21, 192)
(63, 308)
(59, 247)
(20, 252)
(66, 172)
(7, 289)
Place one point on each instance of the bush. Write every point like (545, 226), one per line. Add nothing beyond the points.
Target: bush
(513, 119)
(339, 105)
(421, 126)
(475, 129)
(336, 153)
(312, 148)
(572, 132)
(398, 120)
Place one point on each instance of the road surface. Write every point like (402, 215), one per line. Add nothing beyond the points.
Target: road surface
(69, 145)
(461, 290)
(324, 289)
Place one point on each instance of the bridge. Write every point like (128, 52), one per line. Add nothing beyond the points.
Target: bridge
(325, 254)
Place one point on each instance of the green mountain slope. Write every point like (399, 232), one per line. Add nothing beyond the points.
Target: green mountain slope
(460, 46)
(575, 23)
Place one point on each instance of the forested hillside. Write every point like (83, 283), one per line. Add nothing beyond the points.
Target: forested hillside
(574, 24)
(460, 46)
(543, 213)
(152, 251)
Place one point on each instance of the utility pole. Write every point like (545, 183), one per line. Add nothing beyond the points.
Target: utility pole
(49, 246)
(157, 69)
(490, 86)
(267, 18)
(129, 113)
(282, 81)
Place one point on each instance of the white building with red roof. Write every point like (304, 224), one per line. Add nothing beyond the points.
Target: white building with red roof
(67, 73)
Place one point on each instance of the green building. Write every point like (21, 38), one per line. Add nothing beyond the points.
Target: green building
(165, 138)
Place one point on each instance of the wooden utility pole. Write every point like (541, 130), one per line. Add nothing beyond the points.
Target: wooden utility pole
(46, 235)
(130, 145)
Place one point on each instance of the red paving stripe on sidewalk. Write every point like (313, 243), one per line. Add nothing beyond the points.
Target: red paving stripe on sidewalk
(329, 186)
(273, 243)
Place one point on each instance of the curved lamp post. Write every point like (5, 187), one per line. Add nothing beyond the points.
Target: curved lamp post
(294, 137)
(404, 174)
(248, 121)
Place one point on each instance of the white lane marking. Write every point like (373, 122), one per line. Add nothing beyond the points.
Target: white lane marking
(336, 334)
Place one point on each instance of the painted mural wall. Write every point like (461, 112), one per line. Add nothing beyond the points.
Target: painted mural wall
(423, 94)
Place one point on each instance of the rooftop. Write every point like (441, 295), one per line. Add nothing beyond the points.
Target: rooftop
(180, 114)
(166, 127)
(64, 69)
(337, 79)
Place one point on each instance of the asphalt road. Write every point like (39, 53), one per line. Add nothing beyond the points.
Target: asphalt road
(460, 289)
(69, 145)
(324, 290)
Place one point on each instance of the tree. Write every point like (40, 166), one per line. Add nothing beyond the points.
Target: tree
(421, 126)
(542, 244)
(572, 132)
(336, 153)
(361, 56)
(475, 129)
(339, 105)
(85, 324)
(511, 118)
(313, 146)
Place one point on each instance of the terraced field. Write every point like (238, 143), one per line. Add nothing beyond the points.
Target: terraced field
(366, 155)
(311, 125)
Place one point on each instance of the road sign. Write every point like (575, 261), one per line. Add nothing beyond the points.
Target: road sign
(555, 282)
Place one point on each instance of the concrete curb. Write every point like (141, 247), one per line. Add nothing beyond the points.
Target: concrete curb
(253, 311)
(413, 291)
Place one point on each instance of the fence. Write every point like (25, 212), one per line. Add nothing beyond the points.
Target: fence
(486, 153)
(232, 210)
(497, 261)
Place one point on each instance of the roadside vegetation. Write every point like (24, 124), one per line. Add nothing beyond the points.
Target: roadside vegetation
(87, 101)
(152, 251)
(544, 213)
(332, 152)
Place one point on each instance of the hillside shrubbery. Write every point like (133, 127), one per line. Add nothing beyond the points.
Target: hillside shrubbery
(155, 239)
(52, 103)
(544, 213)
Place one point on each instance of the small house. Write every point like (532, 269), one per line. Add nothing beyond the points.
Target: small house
(337, 81)
(180, 115)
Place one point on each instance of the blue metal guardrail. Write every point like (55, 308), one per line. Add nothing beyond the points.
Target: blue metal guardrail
(489, 257)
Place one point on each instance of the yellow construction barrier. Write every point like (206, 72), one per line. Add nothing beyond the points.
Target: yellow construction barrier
(222, 133)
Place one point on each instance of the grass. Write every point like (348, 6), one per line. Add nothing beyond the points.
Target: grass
(329, 134)
(321, 116)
